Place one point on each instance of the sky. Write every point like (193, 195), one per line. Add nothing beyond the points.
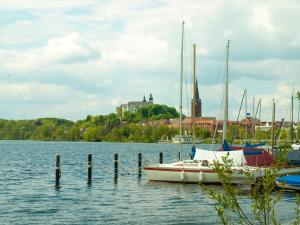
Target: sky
(70, 59)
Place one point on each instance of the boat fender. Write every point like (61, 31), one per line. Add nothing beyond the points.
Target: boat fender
(182, 175)
(201, 177)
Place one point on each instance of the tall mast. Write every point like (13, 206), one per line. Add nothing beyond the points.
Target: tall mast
(226, 94)
(292, 125)
(258, 108)
(246, 129)
(194, 94)
(253, 119)
(298, 117)
(273, 126)
(180, 100)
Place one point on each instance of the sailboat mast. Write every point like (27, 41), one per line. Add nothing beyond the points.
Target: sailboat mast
(255, 116)
(194, 94)
(180, 100)
(273, 126)
(226, 94)
(246, 112)
(253, 119)
(298, 118)
(259, 120)
(292, 115)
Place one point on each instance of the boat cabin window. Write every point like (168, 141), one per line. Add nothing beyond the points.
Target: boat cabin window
(204, 163)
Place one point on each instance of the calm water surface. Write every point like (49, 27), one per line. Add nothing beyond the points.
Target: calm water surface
(28, 195)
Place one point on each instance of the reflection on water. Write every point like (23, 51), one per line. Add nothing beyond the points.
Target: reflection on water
(28, 194)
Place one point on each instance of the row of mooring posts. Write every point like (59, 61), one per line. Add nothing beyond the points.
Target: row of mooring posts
(90, 167)
(116, 165)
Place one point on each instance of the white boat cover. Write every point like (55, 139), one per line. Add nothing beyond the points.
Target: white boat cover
(296, 146)
(237, 157)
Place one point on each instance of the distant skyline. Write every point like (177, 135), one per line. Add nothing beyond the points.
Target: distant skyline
(68, 59)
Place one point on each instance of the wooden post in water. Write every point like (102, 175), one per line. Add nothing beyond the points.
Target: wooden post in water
(160, 157)
(179, 156)
(140, 164)
(116, 166)
(57, 171)
(90, 166)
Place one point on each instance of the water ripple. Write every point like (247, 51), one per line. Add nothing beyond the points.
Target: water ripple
(28, 195)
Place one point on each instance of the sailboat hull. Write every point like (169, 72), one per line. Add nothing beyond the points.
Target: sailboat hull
(195, 173)
(190, 174)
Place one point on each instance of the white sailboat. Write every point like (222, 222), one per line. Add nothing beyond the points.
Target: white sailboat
(200, 169)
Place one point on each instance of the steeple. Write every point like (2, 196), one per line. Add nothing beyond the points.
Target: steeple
(198, 103)
(197, 91)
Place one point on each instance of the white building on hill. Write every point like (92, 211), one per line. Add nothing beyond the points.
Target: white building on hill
(133, 106)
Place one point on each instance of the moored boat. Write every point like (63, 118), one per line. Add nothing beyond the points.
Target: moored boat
(185, 139)
(200, 169)
(289, 182)
(296, 146)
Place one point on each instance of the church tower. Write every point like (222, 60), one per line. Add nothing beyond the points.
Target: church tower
(151, 99)
(198, 103)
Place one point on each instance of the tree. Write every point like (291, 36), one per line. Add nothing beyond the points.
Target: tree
(263, 201)
(94, 134)
(298, 95)
(74, 134)
(202, 133)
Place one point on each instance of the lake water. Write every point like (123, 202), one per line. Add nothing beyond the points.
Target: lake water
(28, 195)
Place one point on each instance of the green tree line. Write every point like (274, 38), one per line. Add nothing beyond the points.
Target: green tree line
(120, 127)
(111, 127)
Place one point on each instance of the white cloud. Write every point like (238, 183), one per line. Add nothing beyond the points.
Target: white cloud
(69, 49)
(295, 42)
(34, 92)
(72, 48)
(269, 70)
(45, 4)
(33, 99)
(139, 42)
(137, 50)
(262, 19)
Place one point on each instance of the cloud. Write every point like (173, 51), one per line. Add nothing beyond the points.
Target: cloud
(116, 51)
(268, 69)
(33, 99)
(262, 20)
(45, 4)
(137, 50)
(70, 49)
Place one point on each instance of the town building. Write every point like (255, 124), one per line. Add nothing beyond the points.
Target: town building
(133, 106)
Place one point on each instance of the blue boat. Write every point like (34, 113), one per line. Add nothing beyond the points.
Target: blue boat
(289, 182)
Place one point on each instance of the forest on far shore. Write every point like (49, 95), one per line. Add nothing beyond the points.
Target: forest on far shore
(111, 127)
(126, 127)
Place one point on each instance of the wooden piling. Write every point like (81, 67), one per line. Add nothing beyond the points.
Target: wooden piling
(178, 155)
(90, 167)
(116, 165)
(140, 164)
(160, 157)
(57, 171)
